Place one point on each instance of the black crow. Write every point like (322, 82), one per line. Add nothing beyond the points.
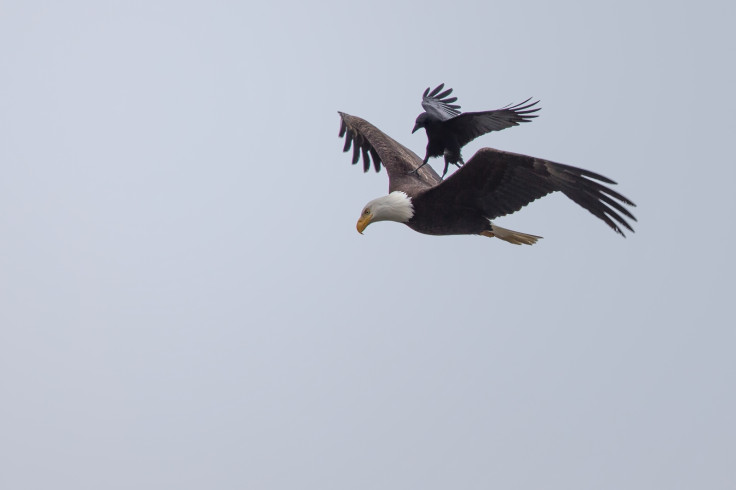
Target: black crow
(448, 130)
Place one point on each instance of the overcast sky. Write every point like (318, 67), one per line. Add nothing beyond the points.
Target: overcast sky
(185, 302)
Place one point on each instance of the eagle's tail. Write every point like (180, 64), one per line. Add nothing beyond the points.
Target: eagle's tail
(511, 236)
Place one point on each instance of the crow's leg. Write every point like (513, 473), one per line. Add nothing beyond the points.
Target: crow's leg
(444, 172)
(426, 159)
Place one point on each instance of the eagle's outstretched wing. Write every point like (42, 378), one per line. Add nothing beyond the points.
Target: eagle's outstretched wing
(372, 143)
(500, 182)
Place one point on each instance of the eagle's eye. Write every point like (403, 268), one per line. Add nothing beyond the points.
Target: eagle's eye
(366, 212)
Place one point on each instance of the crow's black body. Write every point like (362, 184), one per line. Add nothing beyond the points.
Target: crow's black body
(448, 130)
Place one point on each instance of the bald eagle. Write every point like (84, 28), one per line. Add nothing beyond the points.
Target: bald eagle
(491, 184)
(448, 130)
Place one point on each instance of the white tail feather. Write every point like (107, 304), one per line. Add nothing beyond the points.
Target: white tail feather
(511, 236)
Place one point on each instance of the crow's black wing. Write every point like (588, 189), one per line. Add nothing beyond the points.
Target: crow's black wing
(469, 125)
(500, 183)
(438, 104)
(373, 143)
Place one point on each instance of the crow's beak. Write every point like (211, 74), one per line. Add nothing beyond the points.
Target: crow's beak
(416, 126)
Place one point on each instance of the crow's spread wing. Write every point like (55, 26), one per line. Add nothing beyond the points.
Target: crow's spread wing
(438, 104)
(469, 125)
(501, 183)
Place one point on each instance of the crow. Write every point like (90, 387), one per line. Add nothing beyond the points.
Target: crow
(448, 130)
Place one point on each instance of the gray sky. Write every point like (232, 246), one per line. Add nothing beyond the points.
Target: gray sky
(185, 302)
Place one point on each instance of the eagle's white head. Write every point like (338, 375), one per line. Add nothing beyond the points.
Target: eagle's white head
(396, 206)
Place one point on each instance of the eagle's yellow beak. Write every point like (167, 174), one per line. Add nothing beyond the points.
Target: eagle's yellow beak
(365, 220)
